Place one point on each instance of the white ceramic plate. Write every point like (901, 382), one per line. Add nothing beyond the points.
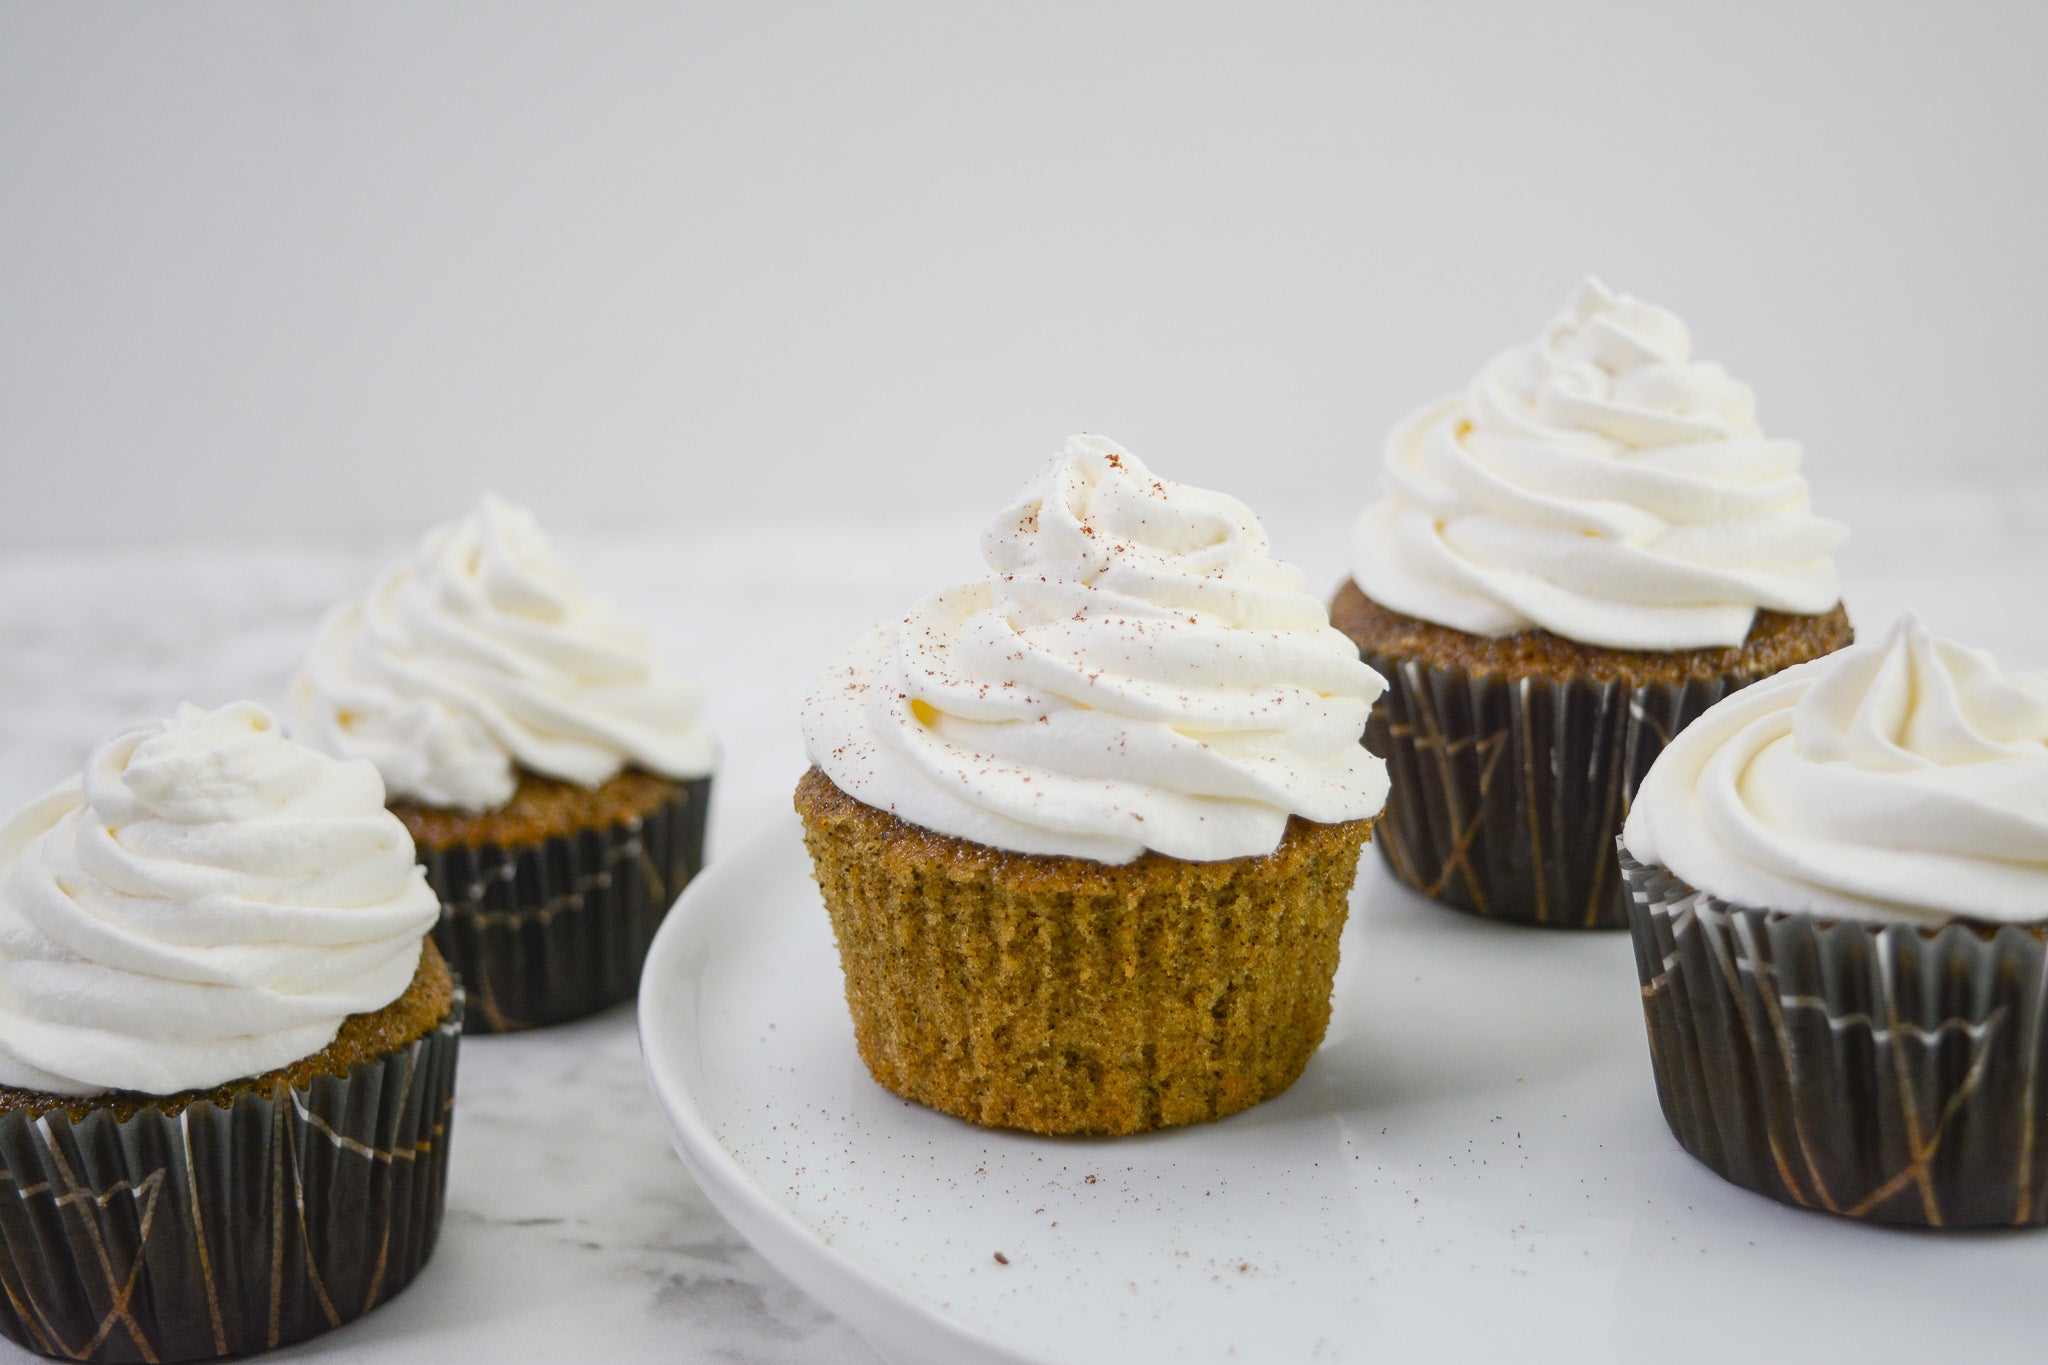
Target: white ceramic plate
(1473, 1168)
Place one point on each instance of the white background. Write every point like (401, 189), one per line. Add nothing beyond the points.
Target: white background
(268, 270)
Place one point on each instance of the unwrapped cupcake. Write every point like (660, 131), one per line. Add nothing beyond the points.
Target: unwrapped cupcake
(227, 1048)
(1572, 559)
(1839, 896)
(555, 779)
(1086, 828)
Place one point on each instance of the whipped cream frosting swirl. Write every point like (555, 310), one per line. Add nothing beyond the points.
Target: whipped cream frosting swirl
(1905, 780)
(484, 655)
(1136, 673)
(1600, 484)
(208, 902)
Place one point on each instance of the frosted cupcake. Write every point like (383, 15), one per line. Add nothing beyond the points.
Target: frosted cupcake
(555, 779)
(1572, 558)
(227, 1051)
(1086, 828)
(1839, 894)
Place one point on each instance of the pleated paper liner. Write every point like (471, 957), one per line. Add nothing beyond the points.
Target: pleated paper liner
(1057, 995)
(546, 932)
(225, 1231)
(1508, 792)
(1884, 1072)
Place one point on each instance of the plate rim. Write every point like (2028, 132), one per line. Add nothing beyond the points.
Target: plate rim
(842, 1282)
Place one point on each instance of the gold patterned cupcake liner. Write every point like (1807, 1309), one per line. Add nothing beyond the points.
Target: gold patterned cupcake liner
(1887, 1072)
(551, 931)
(221, 1231)
(1507, 793)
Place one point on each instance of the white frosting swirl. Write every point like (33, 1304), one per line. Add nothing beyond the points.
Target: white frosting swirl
(483, 655)
(1601, 484)
(1137, 673)
(209, 902)
(1905, 780)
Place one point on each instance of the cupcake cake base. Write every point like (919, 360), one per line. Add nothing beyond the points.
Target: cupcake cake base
(1063, 996)
(1514, 759)
(1886, 1072)
(225, 1222)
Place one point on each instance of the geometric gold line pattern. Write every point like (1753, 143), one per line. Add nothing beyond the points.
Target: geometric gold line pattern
(1508, 792)
(214, 1231)
(1878, 1071)
(569, 900)
(551, 931)
(199, 1242)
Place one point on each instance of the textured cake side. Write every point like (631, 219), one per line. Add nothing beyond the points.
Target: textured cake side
(1059, 995)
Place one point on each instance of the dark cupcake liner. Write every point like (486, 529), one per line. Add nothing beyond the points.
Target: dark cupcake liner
(546, 932)
(1508, 793)
(223, 1231)
(1889, 1072)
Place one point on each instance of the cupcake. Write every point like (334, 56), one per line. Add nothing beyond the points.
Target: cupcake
(227, 1048)
(555, 780)
(1838, 890)
(1572, 559)
(1086, 828)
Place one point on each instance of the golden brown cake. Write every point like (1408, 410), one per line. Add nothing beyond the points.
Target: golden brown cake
(1060, 995)
(1086, 829)
(1777, 641)
(540, 808)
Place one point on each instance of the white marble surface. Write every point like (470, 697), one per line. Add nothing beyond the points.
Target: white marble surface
(573, 1232)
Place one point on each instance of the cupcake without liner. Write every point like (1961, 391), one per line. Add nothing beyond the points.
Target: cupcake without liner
(227, 1048)
(1571, 560)
(555, 779)
(1087, 828)
(1838, 887)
